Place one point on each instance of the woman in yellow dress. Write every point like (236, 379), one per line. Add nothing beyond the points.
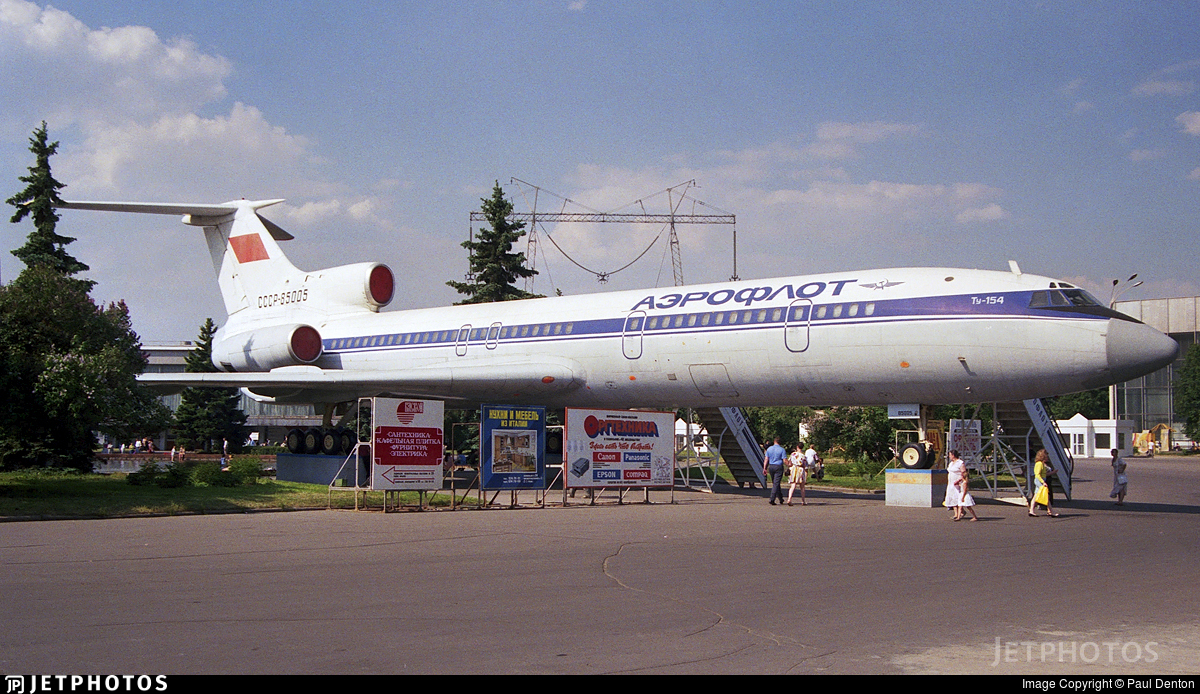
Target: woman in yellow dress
(1041, 486)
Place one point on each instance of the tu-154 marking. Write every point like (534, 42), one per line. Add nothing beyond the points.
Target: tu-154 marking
(928, 335)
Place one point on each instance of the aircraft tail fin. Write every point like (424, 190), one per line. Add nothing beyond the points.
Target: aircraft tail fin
(243, 245)
(254, 273)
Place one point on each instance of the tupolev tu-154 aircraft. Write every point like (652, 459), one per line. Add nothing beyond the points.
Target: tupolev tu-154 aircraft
(868, 337)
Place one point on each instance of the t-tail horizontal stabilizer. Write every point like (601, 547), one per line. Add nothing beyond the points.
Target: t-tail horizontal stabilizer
(194, 214)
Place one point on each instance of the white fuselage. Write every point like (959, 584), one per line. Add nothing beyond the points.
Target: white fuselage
(920, 335)
(905, 335)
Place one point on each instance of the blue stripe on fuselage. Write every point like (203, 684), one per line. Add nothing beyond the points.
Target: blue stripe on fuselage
(798, 312)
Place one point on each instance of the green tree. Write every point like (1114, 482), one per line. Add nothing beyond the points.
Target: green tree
(1187, 392)
(494, 266)
(68, 368)
(782, 422)
(45, 247)
(1092, 404)
(208, 415)
(856, 431)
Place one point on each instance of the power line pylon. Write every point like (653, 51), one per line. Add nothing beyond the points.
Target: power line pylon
(670, 220)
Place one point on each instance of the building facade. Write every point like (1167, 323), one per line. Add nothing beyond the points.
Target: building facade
(267, 423)
(1150, 400)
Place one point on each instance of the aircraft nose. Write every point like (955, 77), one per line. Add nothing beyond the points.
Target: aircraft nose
(1136, 349)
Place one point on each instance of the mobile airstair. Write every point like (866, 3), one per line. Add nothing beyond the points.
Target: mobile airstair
(731, 434)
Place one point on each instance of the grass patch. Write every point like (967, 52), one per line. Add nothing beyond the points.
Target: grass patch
(722, 472)
(849, 481)
(54, 494)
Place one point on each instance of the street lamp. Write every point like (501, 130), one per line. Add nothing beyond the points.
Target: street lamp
(1126, 286)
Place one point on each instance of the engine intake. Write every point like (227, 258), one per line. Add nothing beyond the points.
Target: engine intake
(268, 348)
(361, 285)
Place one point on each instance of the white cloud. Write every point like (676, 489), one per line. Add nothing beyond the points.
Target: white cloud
(841, 140)
(1164, 87)
(1194, 175)
(1071, 88)
(1160, 85)
(988, 213)
(1146, 154)
(1190, 122)
(142, 117)
(83, 74)
(786, 224)
(186, 154)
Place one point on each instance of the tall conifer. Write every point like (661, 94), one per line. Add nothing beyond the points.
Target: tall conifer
(45, 247)
(208, 415)
(494, 267)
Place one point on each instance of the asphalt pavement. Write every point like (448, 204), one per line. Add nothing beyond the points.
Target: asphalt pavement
(716, 583)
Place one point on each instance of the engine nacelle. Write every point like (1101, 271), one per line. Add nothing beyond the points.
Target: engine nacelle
(268, 348)
(361, 285)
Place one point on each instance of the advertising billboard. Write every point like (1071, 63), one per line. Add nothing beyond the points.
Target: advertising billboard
(619, 448)
(966, 437)
(512, 441)
(407, 444)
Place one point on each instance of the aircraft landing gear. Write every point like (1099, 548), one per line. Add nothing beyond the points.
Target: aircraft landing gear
(295, 441)
(338, 441)
(916, 456)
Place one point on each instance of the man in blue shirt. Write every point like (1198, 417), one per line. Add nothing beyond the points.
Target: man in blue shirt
(773, 466)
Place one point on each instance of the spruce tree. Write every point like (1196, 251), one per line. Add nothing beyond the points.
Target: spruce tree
(68, 368)
(207, 415)
(45, 247)
(494, 266)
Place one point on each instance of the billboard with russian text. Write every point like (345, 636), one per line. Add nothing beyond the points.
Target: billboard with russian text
(407, 444)
(619, 448)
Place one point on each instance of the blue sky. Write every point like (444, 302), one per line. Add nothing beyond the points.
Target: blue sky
(843, 135)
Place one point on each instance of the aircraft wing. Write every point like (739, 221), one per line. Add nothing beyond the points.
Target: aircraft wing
(449, 380)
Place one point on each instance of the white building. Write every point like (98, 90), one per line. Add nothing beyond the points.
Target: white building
(1095, 438)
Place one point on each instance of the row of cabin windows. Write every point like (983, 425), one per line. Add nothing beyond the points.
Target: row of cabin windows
(751, 316)
(689, 320)
(451, 336)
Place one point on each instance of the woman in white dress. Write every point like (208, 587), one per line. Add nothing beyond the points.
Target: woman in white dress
(951, 501)
(957, 480)
(1120, 481)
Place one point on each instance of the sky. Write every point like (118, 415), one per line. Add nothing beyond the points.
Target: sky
(842, 135)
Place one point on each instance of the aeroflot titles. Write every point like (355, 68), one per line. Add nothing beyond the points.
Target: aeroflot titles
(747, 295)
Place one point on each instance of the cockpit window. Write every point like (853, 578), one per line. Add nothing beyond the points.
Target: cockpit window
(1078, 297)
(1062, 297)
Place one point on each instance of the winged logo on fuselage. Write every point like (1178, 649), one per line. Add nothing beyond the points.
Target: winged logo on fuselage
(881, 284)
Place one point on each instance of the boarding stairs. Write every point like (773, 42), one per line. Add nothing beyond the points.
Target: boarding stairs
(739, 449)
(1020, 429)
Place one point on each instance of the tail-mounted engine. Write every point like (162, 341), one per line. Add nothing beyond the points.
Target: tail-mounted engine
(263, 349)
(361, 285)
